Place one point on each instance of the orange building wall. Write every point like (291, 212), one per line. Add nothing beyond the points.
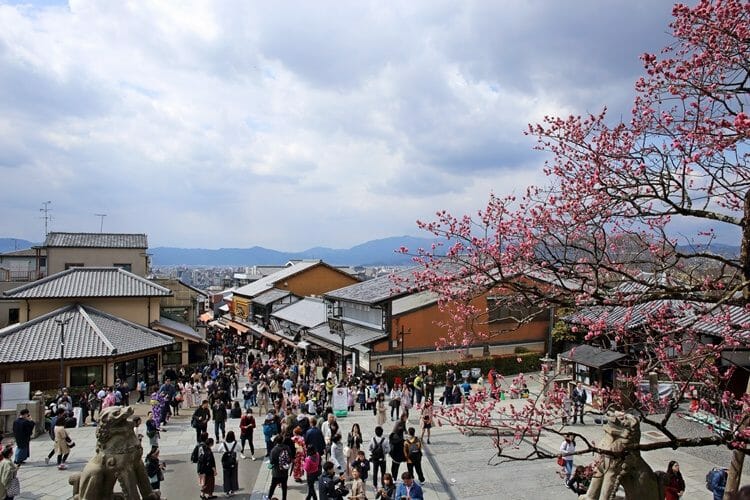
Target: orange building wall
(425, 331)
(316, 280)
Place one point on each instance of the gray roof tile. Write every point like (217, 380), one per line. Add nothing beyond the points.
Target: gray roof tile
(89, 333)
(80, 282)
(373, 291)
(267, 282)
(308, 312)
(96, 240)
(271, 296)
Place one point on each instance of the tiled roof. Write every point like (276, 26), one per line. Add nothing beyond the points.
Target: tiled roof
(26, 252)
(96, 240)
(373, 291)
(308, 312)
(416, 300)
(89, 333)
(267, 282)
(170, 325)
(354, 335)
(270, 296)
(89, 282)
(591, 356)
(705, 318)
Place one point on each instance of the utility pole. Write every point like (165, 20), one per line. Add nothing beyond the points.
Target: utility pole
(47, 217)
(101, 221)
(401, 334)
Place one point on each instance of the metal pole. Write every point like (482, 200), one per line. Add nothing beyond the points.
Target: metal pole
(402, 344)
(62, 355)
(343, 359)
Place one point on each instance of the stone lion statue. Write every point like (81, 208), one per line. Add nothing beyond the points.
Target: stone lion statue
(630, 471)
(117, 459)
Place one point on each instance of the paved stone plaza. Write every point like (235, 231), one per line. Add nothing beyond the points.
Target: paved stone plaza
(455, 465)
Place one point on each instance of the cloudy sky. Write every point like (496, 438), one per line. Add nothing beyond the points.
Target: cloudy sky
(291, 125)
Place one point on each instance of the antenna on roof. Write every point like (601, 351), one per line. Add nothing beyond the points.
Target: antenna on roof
(101, 221)
(47, 217)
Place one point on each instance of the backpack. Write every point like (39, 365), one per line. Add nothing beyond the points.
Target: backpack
(710, 476)
(197, 453)
(377, 454)
(284, 461)
(229, 458)
(415, 450)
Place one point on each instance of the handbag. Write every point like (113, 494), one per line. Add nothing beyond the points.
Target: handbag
(14, 488)
(561, 461)
(347, 452)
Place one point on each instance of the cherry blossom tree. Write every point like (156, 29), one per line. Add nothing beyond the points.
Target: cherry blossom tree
(628, 222)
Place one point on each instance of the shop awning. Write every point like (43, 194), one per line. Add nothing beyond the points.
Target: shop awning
(238, 326)
(206, 316)
(216, 324)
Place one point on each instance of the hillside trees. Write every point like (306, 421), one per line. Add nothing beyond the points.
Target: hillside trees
(628, 218)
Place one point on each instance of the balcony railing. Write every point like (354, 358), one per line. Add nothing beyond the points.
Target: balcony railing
(21, 276)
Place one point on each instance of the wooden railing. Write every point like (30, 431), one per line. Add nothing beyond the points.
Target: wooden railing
(21, 276)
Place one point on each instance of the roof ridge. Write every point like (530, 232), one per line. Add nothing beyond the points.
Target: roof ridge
(35, 283)
(112, 317)
(82, 311)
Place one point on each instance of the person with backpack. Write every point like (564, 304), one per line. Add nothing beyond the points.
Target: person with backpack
(229, 464)
(378, 449)
(281, 462)
(716, 482)
(247, 425)
(206, 467)
(312, 467)
(413, 454)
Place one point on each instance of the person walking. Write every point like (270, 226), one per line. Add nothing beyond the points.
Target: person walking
(152, 430)
(330, 486)
(718, 482)
(413, 454)
(206, 469)
(426, 420)
(200, 419)
(8, 471)
(337, 454)
(314, 436)
(247, 426)
(280, 464)
(270, 429)
(357, 491)
(381, 409)
(408, 489)
(229, 464)
(567, 449)
(154, 468)
(378, 448)
(579, 401)
(395, 402)
(312, 467)
(220, 418)
(299, 453)
(63, 443)
(675, 484)
(396, 444)
(23, 428)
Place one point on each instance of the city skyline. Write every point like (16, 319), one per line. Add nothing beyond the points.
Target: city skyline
(293, 125)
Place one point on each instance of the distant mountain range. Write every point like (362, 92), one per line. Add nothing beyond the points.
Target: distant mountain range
(371, 253)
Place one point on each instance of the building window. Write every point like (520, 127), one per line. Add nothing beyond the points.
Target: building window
(14, 315)
(82, 376)
(126, 267)
(500, 313)
(68, 265)
(42, 261)
(172, 354)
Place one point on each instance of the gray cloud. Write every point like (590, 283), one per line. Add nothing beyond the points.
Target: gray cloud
(346, 121)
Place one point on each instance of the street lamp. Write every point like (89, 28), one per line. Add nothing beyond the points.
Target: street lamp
(62, 323)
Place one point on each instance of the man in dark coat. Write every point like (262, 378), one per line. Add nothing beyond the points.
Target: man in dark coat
(23, 427)
(314, 437)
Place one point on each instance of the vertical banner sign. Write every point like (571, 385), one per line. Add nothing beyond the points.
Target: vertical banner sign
(340, 401)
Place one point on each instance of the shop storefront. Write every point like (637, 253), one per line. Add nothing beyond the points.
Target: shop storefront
(133, 369)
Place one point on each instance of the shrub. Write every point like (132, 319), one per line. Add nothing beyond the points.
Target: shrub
(503, 364)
